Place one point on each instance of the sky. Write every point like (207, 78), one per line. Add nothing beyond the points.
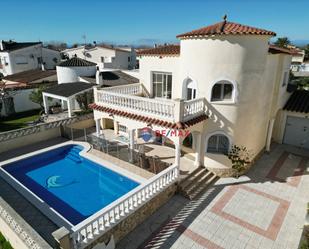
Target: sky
(144, 21)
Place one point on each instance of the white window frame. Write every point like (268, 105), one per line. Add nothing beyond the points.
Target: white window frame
(191, 84)
(163, 90)
(122, 129)
(222, 81)
(216, 133)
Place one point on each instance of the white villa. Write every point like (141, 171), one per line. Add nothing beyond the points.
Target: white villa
(224, 83)
(17, 57)
(105, 56)
(95, 177)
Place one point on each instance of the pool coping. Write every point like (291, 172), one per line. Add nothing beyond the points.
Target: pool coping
(38, 202)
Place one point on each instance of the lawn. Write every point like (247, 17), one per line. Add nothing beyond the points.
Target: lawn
(18, 120)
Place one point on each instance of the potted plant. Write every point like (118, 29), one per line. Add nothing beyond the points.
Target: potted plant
(240, 158)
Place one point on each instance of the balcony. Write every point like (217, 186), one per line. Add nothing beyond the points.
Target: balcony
(135, 99)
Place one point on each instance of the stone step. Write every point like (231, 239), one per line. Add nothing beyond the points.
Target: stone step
(192, 181)
(203, 187)
(198, 182)
(192, 174)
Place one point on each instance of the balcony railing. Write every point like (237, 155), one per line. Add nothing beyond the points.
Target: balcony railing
(99, 223)
(193, 108)
(129, 98)
(132, 89)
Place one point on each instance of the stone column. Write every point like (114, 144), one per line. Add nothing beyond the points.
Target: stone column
(45, 103)
(69, 107)
(197, 142)
(132, 135)
(179, 110)
(202, 148)
(177, 154)
(116, 127)
(269, 133)
(62, 236)
(97, 126)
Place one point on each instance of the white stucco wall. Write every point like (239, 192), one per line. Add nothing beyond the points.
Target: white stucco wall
(242, 60)
(150, 64)
(29, 58)
(114, 58)
(72, 74)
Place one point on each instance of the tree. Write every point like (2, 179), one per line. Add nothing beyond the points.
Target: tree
(283, 42)
(84, 99)
(6, 99)
(36, 96)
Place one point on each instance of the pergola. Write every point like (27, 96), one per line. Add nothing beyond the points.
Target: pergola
(65, 92)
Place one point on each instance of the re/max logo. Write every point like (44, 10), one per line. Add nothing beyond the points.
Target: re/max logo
(172, 133)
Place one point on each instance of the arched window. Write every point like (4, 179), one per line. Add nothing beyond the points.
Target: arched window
(218, 143)
(222, 91)
(191, 89)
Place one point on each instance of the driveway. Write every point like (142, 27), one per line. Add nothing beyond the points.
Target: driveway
(264, 209)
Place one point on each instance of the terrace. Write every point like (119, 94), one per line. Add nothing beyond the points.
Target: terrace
(135, 99)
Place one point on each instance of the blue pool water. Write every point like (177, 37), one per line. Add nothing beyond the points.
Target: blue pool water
(71, 184)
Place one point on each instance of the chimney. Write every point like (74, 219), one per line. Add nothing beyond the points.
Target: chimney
(1, 45)
(98, 77)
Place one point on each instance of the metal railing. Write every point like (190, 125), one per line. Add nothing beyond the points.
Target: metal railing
(4, 136)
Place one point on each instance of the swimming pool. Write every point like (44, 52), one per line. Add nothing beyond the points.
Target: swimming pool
(69, 183)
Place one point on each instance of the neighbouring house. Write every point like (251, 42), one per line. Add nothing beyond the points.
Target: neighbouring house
(234, 96)
(298, 56)
(18, 87)
(105, 56)
(17, 57)
(76, 77)
(295, 120)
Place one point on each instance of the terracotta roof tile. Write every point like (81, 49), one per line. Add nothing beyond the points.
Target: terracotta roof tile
(76, 62)
(298, 102)
(179, 125)
(30, 75)
(172, 50)
(273, 49)
(226, 28)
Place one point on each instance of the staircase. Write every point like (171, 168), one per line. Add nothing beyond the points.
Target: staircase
(73, 155)
(197, 182)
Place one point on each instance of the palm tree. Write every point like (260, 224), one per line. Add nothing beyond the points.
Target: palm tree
(283, 42)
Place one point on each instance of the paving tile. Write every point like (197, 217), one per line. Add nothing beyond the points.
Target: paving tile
(264, 206)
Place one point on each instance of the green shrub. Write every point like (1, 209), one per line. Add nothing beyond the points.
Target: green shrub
(4, 244)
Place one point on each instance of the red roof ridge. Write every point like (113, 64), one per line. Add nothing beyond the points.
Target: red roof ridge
(226, 28)
(170, 49)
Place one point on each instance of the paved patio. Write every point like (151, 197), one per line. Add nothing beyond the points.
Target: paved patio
(264, 209)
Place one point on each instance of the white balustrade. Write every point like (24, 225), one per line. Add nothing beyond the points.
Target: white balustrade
(125, 98)
(193, 108)
(102, 221)
(132, 89)
(137, 105)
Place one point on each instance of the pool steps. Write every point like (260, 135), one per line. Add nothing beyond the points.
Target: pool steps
(73, 155)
